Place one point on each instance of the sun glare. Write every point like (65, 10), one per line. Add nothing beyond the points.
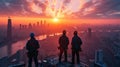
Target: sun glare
(55, 19)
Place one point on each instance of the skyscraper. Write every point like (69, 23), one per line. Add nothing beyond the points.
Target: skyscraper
(99, 60)
(9, 29)
(89, 32)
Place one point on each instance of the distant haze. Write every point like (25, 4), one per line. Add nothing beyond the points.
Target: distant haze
(26, 20)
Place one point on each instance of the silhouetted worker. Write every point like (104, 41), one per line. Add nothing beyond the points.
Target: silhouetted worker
(76, 47)
(32, 47)
(63, 46)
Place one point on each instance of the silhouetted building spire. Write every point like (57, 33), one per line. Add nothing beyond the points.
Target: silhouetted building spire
(20, 26)
(89, 32)
(44, 21)
(30, 25)
(41, 22)
(9, 29)
(38, 23)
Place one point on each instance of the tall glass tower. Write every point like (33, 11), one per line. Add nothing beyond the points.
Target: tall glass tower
(9, 29)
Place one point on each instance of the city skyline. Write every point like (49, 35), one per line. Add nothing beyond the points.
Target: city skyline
(45, 29)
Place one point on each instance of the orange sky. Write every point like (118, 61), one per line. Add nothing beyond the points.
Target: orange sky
(26, 20)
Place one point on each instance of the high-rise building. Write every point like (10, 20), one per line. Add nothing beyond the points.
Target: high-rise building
(89, 32)
(20, 26)
(9, 29)
(99, 62)
(38, 23)
(41, 22)
(99, 56)
(30, 25)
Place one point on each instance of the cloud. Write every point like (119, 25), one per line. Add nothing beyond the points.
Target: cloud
(61, 8)
(8, 7)
(103, 7)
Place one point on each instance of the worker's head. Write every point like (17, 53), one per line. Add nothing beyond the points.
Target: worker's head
(64, 32)
(75, 32)
(32, 35)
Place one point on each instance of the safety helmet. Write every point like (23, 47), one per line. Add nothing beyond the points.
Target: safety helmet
(75, 32)
(32, 34)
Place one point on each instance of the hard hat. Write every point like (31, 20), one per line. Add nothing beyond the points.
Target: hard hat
(32, 34)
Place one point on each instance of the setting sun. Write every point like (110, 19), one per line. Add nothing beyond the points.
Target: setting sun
(55, 19)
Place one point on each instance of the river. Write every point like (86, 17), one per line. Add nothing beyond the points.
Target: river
(21, 44)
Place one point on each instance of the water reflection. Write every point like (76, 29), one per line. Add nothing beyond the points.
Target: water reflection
(51, 35)
(14, 47)
(5, 50)
(58, 33)
(42, 37)
(18, 46)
